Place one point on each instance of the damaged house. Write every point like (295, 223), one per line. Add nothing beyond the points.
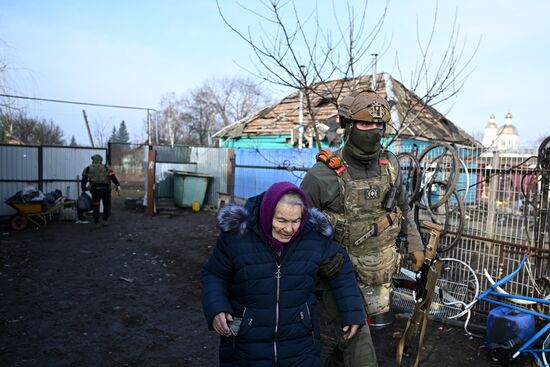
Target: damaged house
(289, 122)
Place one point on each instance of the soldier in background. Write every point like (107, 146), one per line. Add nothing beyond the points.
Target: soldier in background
(358, 188)
(99, 177)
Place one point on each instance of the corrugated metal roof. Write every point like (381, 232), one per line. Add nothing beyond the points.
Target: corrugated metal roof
(282, 118)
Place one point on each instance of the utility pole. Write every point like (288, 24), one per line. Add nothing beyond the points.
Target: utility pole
(149, 127)
(88, 128)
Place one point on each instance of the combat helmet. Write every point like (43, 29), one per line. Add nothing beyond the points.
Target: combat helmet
(96, 158)
(363, 105)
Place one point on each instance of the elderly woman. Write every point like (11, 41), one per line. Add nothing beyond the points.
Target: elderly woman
(259, 283)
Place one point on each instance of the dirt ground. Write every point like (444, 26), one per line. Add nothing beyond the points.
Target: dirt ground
(129, 295)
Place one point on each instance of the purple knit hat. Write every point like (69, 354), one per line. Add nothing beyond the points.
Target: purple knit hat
(267, 210)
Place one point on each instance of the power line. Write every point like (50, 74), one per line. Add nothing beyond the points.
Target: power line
(78, 103)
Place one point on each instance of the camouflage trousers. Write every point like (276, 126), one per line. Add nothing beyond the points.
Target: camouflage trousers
(357, 352)
(374, 273)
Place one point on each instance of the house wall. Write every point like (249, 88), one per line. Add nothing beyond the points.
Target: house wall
(257, 169)
(262, 142)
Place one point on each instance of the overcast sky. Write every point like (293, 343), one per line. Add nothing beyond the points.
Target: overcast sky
(131, 52)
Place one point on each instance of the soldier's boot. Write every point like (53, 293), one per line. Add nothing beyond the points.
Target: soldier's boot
(357, 352)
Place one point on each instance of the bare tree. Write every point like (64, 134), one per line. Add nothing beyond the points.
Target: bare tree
(100, 132)
(200, 115)
(171, 125)
(29, 130)
(235, 98)
(9, 112)
(292, 49)
(218, 102)
(435, 80)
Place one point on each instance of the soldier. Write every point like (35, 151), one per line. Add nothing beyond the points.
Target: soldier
(99, 176)
(358, 187)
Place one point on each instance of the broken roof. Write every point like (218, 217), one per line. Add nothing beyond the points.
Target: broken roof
(283, 117)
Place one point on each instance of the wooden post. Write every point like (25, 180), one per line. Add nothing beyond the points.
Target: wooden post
(151, 163)
(149, 127)
(88, 128)
(231, 174)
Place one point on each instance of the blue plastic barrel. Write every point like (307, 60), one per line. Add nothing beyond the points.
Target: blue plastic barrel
(507, 327)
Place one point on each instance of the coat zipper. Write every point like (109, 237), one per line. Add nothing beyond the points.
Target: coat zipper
(235, 336)
(309, 315)
(278, 277)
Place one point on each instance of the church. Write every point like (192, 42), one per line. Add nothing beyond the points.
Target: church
(504, 138)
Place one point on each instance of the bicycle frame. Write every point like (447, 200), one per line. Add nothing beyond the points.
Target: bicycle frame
(492, 292)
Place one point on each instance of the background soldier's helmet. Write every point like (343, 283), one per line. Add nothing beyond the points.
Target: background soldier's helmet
(96, 158)
(363, 105)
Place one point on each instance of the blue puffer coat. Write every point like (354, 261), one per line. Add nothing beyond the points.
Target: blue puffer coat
(275, 298)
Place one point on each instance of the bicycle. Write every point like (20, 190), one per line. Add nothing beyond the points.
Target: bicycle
(495, 295)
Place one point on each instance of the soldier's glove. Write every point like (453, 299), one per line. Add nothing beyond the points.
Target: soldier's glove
(331, 266)
(417, 258)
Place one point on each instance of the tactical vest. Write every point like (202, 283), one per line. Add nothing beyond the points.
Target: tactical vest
(362, 203)
(97, 174)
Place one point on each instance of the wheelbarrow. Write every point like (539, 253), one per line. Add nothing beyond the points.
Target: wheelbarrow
(37, 213)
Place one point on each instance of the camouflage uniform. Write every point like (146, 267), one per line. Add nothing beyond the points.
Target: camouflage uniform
(99, 176)
(352, 200)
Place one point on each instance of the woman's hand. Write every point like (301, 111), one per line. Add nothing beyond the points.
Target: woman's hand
(220, 323)
(350, 331)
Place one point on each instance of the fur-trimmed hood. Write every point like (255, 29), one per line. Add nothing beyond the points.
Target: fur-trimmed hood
(236, 218)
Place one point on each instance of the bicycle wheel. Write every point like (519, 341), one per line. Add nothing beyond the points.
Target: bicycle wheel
(457, 287)
(411, 175)
(439, 162)
(466, 189)
(18, 222)
(450, 216)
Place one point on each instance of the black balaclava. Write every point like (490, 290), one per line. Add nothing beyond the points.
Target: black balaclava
(364, 145)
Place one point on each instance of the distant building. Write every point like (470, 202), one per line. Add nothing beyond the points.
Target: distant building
(504, 138)
(7, 138)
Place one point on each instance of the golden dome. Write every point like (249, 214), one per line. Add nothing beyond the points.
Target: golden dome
(491, 124)
(508, 130)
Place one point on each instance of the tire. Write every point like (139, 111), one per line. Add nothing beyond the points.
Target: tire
(441, 160)
(450, 215)
(18, 222)
(411, 175)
